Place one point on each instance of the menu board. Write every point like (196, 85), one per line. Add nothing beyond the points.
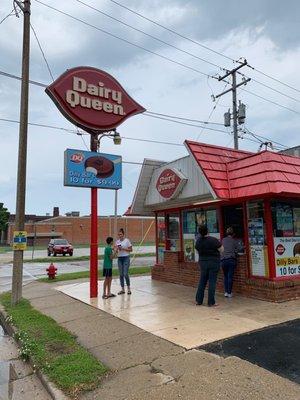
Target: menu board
(257, 248)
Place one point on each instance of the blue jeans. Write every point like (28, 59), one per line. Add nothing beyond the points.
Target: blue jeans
(209, 273)
(228, 266)
(123, 265)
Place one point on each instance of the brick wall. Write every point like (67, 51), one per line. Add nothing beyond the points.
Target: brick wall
(77, 229)
(188, 274)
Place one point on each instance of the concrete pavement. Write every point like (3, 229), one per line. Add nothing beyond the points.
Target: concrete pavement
(17, 380)
(146, 367)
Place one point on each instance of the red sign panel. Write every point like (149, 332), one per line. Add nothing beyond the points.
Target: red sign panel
(169, 183)
(92, 99)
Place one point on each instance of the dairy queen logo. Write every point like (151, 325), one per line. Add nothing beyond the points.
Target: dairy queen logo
(280, 249)
(77, 158)
(170, 182)
(92, 99)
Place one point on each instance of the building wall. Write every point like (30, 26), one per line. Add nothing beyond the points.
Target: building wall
(188, 274)
(77, 229)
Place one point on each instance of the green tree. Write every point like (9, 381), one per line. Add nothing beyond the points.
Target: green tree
(4, 215)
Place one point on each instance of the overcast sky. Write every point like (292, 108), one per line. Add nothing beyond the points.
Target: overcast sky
(266, 32)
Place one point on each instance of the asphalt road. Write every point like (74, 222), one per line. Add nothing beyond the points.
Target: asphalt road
(78, 252)
(32, 271)
(276, 348)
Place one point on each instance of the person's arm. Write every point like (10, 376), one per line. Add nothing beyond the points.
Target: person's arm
(129, 247)
(221, 248)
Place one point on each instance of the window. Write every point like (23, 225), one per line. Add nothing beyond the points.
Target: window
(286, 218)
(257, 239)
(191, 220)
(173, 231)
(161, 237)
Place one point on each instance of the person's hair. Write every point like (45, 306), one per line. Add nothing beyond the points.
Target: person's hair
(203, 230)
(229, 231)
(121, 230)
(109, 240)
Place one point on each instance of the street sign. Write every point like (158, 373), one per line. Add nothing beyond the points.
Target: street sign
(92, 99)
(92, 169)
(20, 240)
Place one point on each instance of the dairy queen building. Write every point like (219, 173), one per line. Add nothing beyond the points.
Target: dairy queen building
(258, 194)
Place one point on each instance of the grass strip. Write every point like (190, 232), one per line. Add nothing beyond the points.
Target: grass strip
(53, 349)
(85, 274)
(68, 259)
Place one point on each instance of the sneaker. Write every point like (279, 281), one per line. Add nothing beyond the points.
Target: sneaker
(229, 295)
(226, 294)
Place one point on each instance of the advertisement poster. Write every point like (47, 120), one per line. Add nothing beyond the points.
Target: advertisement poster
(287, 256)
(211, 221)
(160, 254)
(297, 221)
(284, 218)
(20, 240)
(189, 250)
(257, 248)
(91, 169)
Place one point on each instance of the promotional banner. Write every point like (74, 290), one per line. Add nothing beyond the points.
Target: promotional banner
(91, 169)
(287, 256)
(258, 253)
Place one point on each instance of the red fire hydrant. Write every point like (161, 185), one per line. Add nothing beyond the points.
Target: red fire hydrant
(51, 271)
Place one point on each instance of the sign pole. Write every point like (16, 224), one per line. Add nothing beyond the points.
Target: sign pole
(17, 277)
(94, 231)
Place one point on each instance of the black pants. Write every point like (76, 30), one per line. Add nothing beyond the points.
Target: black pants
(209, 273)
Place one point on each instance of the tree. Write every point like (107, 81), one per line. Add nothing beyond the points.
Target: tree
(4, 216)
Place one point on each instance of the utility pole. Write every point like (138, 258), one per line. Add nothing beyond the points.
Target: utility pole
(116, 215)
(21, 177)
(233, 88)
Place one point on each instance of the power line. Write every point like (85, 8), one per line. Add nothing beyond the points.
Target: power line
(181, 118)
(200, 44)
(125, 40)
(126, 137)
(179, 49)
(8, 15)
(148, 34)
(43, 54)
(8, 75)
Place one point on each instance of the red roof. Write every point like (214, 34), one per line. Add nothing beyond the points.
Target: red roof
(239, 174)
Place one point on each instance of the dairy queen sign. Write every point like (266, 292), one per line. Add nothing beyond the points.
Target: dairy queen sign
(170, 183)
(92, 99)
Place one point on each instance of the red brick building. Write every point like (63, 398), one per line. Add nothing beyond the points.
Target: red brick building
(77, 229)
(258, 194)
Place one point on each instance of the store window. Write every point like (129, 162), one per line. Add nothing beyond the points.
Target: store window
(286, 232)
(161, 237)
(191, 220)
(257, 239)
(173, 231)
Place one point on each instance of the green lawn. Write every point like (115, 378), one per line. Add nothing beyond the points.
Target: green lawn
(53, 349)
(71, 259)
(85, 274)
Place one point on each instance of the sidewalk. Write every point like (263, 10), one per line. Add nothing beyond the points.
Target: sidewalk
(146, 367)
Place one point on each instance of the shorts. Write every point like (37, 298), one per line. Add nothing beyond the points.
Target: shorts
(107, 272)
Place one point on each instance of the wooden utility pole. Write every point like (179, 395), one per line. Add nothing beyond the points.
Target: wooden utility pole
(233, 88)
(22, 157)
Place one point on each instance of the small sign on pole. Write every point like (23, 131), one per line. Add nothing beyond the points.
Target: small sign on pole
(20, 240)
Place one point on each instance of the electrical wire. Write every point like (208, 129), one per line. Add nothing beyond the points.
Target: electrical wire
(125, 40)
(43, 54)
(8, 15)
(200, 44)
(182, 118)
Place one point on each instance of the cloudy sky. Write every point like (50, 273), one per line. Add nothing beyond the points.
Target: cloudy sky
(265, 32)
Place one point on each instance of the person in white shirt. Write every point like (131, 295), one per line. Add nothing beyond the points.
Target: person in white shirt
(123, 248)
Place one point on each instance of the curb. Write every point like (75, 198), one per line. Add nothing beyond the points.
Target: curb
(53, 391)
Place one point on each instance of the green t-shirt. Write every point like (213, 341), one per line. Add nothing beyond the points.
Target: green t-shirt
(107, 260)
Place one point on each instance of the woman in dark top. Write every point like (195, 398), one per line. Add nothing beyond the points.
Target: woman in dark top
(209, 249)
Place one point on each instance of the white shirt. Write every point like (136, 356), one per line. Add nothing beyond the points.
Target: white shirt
(125, 243)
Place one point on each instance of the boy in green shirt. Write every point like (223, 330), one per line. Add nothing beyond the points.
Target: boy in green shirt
(107, 268)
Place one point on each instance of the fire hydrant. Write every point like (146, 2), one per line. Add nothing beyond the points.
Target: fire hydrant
(51, 271)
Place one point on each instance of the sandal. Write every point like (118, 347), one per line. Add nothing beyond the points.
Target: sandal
(129, 292)
(104, 296)
(111, 295)
(121, 292)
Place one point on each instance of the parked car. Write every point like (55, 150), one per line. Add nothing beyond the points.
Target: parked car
(59, 246)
